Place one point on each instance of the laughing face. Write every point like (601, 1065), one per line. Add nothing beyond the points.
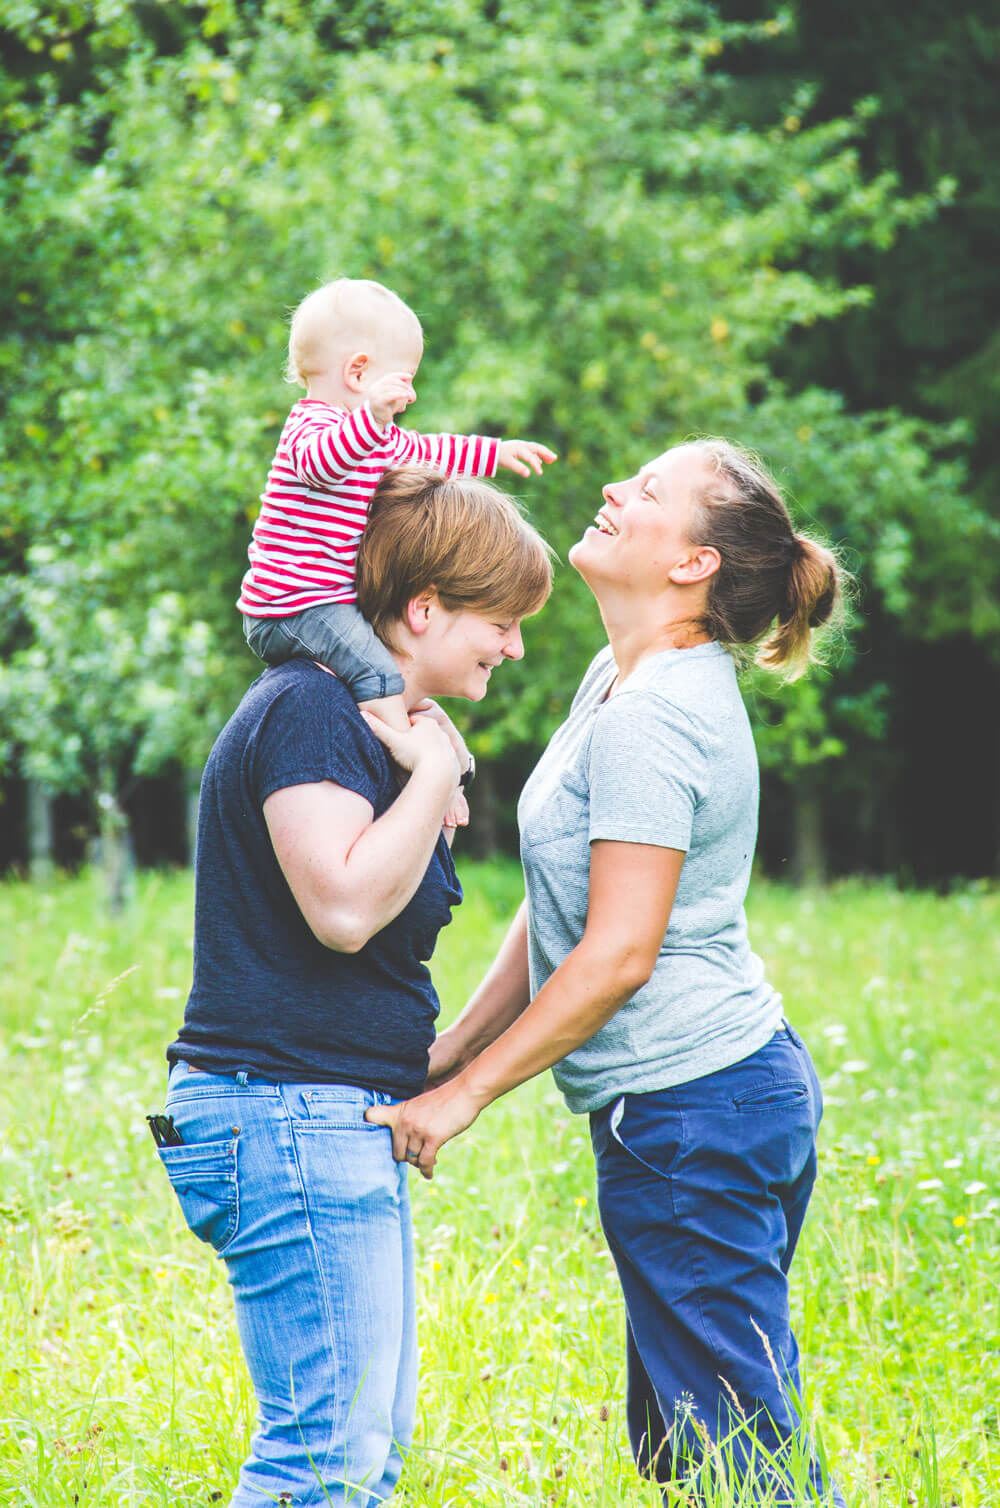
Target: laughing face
(641, 537)
(460, 650)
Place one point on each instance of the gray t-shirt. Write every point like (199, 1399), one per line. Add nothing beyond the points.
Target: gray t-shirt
(668, 759)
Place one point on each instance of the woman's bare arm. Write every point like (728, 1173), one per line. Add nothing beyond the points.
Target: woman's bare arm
(494, 1006)
(632, 889)
(350, 874)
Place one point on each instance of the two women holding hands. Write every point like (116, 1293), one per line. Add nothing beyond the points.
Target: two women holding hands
(323, 877)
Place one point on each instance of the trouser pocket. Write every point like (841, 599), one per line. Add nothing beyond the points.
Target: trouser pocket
(204, 1179)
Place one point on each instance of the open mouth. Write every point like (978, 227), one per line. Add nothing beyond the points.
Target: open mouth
(604, 524)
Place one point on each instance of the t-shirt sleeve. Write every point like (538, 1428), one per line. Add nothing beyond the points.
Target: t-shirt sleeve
(648, 772)
(313, 732)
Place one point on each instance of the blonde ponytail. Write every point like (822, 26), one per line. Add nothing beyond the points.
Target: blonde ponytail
(812, 594)
(774, 587)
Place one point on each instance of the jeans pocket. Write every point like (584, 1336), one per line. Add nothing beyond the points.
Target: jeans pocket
(204, 1180)
(776, 1094)
(651, 1134)
(340, 1106)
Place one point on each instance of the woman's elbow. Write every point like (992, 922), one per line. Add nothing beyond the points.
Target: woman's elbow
(636, 972)
(627, 969)
(341, 931)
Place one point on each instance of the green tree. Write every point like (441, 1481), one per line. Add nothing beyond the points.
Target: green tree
(600, 256)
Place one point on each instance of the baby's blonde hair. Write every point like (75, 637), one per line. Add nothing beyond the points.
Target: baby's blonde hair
(345, 313)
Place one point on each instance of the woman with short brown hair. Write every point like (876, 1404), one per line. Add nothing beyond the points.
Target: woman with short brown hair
(320, 890)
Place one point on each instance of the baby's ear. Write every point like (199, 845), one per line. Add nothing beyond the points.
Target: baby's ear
(354, 369)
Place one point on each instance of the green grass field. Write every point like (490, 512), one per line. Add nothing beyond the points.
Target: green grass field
(120, 1375)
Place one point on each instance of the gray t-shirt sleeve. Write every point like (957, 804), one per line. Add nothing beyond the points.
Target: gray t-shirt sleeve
(648, 772)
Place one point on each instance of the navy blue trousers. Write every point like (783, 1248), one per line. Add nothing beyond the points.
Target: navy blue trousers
(702, 1191)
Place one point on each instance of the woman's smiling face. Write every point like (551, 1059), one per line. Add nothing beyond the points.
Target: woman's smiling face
(456, 652)
(643, 530)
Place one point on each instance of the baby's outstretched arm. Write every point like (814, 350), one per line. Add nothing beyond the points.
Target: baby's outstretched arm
(468, 455)
(520, 455)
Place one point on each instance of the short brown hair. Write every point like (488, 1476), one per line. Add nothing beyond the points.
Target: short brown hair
(773, 586)
(461, 538)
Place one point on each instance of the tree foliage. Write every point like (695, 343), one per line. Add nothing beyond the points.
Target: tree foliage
(604, 256)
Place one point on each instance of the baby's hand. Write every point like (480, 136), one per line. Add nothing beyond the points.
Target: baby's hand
(389, 396)
(518, 455)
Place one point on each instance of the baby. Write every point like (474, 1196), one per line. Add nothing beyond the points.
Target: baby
(355, 347)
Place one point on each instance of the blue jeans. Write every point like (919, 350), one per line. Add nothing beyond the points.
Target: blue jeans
(302, 1199)
(336, 634)
(702, 1191)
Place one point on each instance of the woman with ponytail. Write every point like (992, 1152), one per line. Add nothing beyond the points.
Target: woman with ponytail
(629, 972)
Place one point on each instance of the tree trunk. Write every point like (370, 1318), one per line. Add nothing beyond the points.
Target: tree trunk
(117, 855)
(809, 866)
(483, 828)
(41, 830)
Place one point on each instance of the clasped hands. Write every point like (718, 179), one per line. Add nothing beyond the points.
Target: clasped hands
(421, 1126)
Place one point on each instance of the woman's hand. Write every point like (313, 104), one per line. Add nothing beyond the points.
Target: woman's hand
(421, 1127)
(426, 744)
(429, 708)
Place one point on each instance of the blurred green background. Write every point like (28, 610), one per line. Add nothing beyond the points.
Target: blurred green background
(619, 225)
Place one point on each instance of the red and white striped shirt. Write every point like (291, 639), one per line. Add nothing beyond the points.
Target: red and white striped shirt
(315, 506)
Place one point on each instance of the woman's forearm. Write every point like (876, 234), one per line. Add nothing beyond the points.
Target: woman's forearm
(631, 893)
(385, 865)
(585, 991)
(501, 997)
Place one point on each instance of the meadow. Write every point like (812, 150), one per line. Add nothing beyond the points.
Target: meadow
(120, 1375)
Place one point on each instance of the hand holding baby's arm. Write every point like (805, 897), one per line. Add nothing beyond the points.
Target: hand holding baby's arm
(519, 455)
(389, 396)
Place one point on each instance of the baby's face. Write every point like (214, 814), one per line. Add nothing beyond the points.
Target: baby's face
(397, 349)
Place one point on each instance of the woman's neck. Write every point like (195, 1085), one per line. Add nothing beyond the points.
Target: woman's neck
(412, 693)
(409, 669)
(635, 633)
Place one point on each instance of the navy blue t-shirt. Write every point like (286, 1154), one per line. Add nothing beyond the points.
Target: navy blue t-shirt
(267, 997)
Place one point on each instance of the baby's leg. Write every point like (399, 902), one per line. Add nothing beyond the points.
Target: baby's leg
(337, 636)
